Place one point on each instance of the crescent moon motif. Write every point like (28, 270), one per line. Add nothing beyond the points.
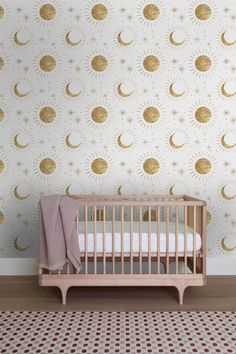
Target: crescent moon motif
(175, 146)
(124, 146)
(171, 190)
(119, 190)
(121, 93)
(173, 42)
(18, 93)
(226, 248)
(227, 146)
(18, 196)
(19, 248)
(69, 93)
(173, 93)
(69, 144)
(122, 42)
(225, 42)
(68, 191)
(18, 42)
(17, 144)
(69, 41)
(226, 94)
(225, 196)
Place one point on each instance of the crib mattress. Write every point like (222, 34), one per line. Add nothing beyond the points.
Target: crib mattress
(126, 237)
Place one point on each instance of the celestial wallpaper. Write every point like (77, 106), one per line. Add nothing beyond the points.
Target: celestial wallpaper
(117, 96)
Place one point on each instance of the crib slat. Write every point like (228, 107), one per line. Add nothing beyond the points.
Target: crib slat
(131, 240)
(104, 240)
(67, 268)
(140, 238)
(77, 227)
(122, 239)
(185, 239)
(177, 239)
(86, 238)
(158, 239)
(95, 239)
(194, 238)
(113, 240)
(167, 237)
(149, 240)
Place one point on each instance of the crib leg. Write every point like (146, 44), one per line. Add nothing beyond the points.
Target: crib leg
(63, 294)
(181, 290)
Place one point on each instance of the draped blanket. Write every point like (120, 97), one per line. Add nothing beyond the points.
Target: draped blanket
(58, 240)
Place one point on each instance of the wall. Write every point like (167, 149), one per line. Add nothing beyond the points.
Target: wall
(117, 97)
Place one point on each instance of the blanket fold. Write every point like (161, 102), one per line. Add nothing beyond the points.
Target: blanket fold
(58, 240)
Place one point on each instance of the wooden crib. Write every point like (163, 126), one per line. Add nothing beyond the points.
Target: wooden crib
(132, 240)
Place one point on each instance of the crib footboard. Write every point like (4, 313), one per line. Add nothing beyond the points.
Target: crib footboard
(137, 241)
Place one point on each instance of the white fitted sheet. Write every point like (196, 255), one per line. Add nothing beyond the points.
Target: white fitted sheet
(126, 237)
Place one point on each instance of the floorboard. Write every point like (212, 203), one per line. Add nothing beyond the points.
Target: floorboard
(24, 294)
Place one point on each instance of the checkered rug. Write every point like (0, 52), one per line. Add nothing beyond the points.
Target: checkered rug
(117, 332)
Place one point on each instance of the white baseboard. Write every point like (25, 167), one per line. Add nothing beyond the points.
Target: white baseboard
(28, 266)
(18, 266)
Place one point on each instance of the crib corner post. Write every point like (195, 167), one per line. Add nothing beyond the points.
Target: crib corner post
(63, 290)
(181, 289)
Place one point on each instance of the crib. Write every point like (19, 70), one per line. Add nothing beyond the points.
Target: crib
(131, 240)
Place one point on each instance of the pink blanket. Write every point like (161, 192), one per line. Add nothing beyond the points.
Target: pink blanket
(58, 241)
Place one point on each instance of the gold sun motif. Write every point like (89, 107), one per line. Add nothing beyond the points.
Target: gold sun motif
(47, 63)
(151, 114)
(1, 166)
(203, 12)
(47, 114)
(2, 63)
(203, 115)
(151, 63)
(151, 166)
(47, 12)
(2, 12)
(99, 166)
(203, 166)
(99, 12)
(151, 12)
(99, 63)
(99, 114)
(203, 63)
(47, 166)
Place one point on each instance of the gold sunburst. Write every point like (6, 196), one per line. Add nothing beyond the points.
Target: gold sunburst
(203, 114)
(202, 13)
(99, 114)
(99, 13)
(150, 114)
(150, 166)
(202, 166)
(151, 13)
(99, 166)
(150, 64)
(47, 114)
(47, 166)
(47, 13)
(99, 63)
(202, 63)
(47, 63)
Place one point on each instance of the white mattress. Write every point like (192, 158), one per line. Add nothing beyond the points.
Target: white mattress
(126, 237)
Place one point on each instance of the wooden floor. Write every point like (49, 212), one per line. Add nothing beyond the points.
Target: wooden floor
(24, 294)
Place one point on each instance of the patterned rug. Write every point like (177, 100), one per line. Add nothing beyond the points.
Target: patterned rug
(117, 332)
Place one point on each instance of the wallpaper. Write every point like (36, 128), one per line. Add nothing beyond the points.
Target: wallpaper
(117, 96)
